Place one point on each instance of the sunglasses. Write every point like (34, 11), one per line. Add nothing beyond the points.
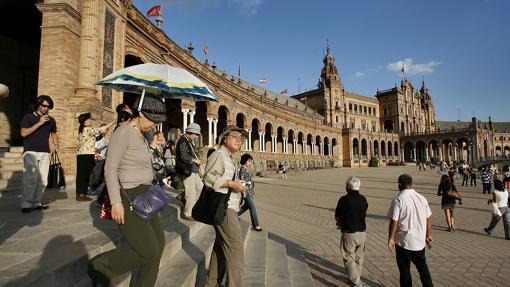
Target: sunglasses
(45, 106)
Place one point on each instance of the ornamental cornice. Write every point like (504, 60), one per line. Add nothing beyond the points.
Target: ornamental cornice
(57, 7)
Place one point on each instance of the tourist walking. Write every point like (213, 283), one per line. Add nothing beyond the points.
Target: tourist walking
(128, 167)
(220, 174)
(249, 204)
(409, 231)
(486, 177)
(500, 197)
(350, 215)
(472, 175)
(449, 194)
(85, 157)
(187, 165)
(39, 132)
(465, 176)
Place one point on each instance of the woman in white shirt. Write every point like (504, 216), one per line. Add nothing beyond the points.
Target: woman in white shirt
(500, 197)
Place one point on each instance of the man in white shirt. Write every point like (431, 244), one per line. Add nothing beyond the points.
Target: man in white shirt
(409, 229)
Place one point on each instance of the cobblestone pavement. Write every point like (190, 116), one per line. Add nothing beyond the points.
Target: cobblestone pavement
(300, 212)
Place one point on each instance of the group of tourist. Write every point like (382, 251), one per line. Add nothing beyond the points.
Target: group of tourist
(130, 161)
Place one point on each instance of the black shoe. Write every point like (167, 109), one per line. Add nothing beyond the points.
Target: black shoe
(26, 210)
(41, 207)
(487, 231)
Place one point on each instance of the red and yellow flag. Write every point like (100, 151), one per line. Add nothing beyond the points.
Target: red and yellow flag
(284, 92)
(263, 81)
(154, 11)
(206, 50)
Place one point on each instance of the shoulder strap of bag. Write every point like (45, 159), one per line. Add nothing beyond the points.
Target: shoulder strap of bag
(127, 196)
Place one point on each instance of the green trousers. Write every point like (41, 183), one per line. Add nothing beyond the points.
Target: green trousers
(147, 241)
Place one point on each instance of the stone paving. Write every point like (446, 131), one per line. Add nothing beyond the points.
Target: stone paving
(300, 212)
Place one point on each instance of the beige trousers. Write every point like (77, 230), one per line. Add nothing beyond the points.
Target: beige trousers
(35, 177)
(193, 186)
(228, 253)
(352, 246)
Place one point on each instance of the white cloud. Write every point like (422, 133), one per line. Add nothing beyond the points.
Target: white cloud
(359, 74)
(249, 6)
(412, 69)
(376, 69)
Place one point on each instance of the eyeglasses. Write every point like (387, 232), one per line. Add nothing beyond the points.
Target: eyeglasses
(45, 106)
(239, 138)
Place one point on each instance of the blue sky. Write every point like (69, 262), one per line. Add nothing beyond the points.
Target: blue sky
(460, 47)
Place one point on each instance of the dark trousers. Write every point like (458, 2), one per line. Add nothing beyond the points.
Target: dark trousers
(250, 205)
(465, 179)
(473, 180)
(404, 259)
(487, 187)
(84, 165)
(146, 239)
(97, 174)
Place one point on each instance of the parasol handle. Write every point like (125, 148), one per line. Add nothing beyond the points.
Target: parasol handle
(141, 100)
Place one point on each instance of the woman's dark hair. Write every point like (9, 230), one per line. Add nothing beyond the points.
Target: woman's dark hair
(445, 179)
(41, 100)
(245, 158)
(82, 119)
(498, 185)
(506, 168)
(121, 107)
(122, 117)
(171, 145)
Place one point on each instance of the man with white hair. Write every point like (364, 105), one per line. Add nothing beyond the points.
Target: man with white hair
(350, 214)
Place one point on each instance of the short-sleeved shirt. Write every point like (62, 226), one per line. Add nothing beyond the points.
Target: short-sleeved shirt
(87, 140)
(352, 210)
(38, 140)
(411, 210)
(502, 197)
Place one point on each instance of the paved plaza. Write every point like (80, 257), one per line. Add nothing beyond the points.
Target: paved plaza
(300, 211)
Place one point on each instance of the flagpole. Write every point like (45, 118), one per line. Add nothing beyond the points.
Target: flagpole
(159, 19)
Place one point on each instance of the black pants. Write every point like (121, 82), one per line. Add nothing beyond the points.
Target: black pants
(487, 187)
(404, 259)
(473, 180)
(84, 165)
(465, 180)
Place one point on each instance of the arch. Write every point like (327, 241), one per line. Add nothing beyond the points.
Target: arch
(350, 107)
(223, 118)
(326, 146)
(395, 148)
(309, 141)
(279, 139)
(334, 144)
(255, 138)
(420, 151)
(498, 151)
(364, 148)
(355, 147)
(369, 111)
(364, 110)
(376, 148)
(241, 120)
(390, 149)
(301, 144)
(506, 150)
(290, 141)
(402, 128)
(408, 152)
(268, 131)
(355, 108)
(201, 119)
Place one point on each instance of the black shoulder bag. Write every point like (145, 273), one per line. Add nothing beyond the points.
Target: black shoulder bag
(55, 173)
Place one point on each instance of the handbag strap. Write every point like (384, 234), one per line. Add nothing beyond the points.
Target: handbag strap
(127, 196)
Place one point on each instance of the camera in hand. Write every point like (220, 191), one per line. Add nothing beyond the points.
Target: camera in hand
(247, 185)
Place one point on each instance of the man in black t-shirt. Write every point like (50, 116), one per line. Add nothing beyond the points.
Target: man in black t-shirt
(38, 130)
(350, 214)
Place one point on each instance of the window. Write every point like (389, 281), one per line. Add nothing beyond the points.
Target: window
(365, 110)
(356, 108)
(336, 119)
(350, 108)
(363, 124)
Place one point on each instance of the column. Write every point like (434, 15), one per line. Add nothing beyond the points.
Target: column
(88, 73)
(414, 153)
(284, 143)
(386, 147)
(322, 148)
(313, 149)
(210, 131)
(372, 148)
(273, 145)
(294, 147)
(249, 139)
(455, 155)
(330, 149)
(427, 153)
(192, 116)
(215, 126)
(303, 147)
(261, 141)
(440, 152)
(184, 118)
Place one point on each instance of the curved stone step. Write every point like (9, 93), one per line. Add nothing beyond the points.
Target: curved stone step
(255, 260)
(278, 274)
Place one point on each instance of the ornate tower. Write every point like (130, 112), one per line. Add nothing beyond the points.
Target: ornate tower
(427, 108)
(332, 106)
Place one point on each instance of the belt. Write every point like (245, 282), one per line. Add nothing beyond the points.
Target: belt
(349, 231)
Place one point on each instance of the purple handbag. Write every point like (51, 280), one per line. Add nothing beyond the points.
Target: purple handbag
(147, 204)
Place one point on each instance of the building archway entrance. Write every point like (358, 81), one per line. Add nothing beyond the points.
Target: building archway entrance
(19, 55)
